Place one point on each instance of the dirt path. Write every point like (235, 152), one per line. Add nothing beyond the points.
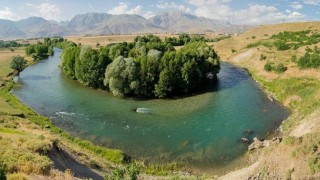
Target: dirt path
(244, 55)
(63, 161)
(242, 173)
(309, 124)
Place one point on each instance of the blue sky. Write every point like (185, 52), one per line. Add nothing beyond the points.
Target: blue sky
(235, 11)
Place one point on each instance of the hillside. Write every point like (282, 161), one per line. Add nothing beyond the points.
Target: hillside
(107, 24)
(297, 88)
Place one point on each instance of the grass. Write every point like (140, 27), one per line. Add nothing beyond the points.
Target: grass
(5, 55)
(161, 169)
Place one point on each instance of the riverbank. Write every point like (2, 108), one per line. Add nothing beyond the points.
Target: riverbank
(28, 139)
(296, 156)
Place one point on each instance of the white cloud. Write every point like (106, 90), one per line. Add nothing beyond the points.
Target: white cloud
(253, 14)
(120, 9)
(173, 5)
(135, 10)
(296, 5)
(148, 14)
(312, 2)
(46, 10)
(6, 13)
(123, 8)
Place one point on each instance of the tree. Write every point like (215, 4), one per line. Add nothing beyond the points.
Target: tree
(89, 68)
(164, 86)
(18, 63)
(69, 56)
(121, 76)
(149, 72)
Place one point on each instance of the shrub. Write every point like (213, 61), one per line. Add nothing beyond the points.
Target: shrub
(294, 58)
(263, 57)
(281, 45)
(314, 164)
(280, 68)
(268, 67)
(310, 59)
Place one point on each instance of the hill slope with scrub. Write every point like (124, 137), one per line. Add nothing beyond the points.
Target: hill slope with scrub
(284, 59)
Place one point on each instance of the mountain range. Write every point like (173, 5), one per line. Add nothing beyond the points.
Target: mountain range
(105, 24)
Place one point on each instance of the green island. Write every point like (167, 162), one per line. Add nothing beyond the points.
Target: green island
(283, 61)
(148, 67)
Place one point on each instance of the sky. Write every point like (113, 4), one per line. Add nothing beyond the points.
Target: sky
(252, 12)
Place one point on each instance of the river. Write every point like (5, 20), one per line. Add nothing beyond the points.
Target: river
(201, 130)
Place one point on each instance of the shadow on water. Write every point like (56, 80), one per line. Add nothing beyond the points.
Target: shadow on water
(228, 77)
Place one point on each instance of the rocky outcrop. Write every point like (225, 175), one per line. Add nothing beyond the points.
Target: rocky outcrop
(257, 144)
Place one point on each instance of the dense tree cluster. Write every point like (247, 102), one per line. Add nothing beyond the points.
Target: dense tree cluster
(184, 39)
(147, 67)
(42, 50)
(311, 59)
(9, 44)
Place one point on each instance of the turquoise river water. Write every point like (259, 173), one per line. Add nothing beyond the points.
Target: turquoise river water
(201, 130)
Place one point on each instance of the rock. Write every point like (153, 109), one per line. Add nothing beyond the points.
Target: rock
(245, 140)
(276, 140)
(47, 126)
(143, 110)
(257, 144)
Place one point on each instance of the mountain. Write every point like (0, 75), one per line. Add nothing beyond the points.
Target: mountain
(9, 30)
(89, 21)
(103, 23)
(176, 21)
(39, 27)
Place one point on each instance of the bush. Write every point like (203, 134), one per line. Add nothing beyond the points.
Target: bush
(310, 59)
(294, 58)
(280, 68)
(314, 164)
(281, 45)
(268, 67)
(263, 57)
(286, 39)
